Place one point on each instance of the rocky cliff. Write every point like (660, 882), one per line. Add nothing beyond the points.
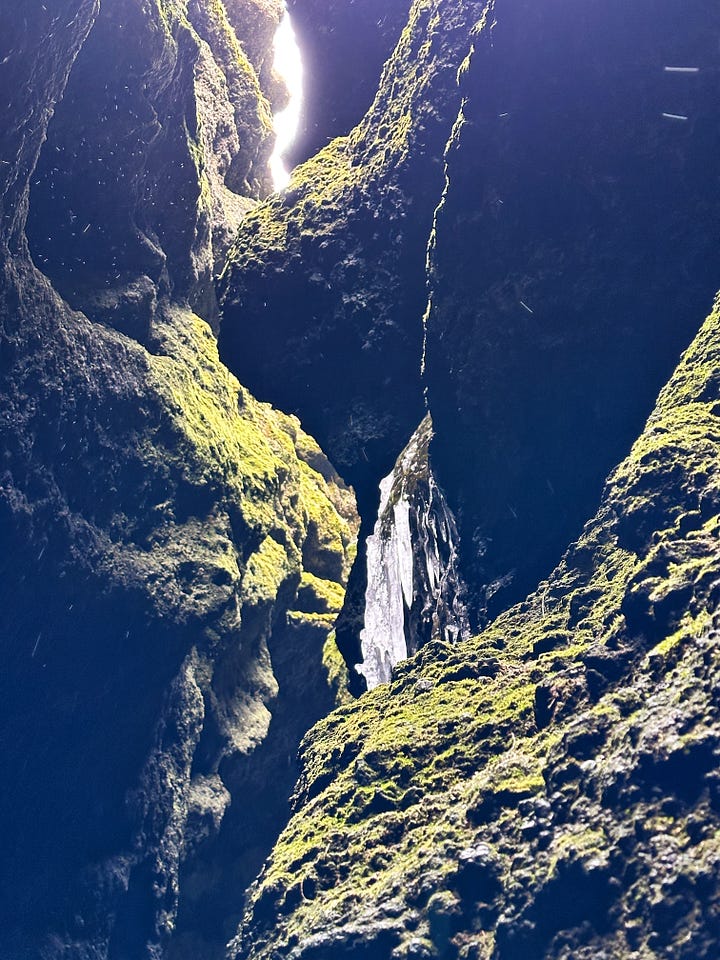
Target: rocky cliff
(170, 545)
(511, 248)
(548, 789)
(572, 221)
(562, 296)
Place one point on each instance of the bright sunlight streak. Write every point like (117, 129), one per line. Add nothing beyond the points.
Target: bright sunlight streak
(288, 65)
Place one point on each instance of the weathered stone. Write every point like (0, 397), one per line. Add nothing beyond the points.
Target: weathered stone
(156, 520)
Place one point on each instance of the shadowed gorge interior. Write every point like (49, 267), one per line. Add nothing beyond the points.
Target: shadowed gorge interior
(360, 571)
(561, 301)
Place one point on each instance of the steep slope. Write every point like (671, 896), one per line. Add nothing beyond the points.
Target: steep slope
(548, 789)
(326, 281)
(156, 520)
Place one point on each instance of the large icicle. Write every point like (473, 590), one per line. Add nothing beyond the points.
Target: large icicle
(383, 637)
(414, 592)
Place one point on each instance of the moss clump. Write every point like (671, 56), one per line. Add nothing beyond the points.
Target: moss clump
(319, 596)
(267, 570)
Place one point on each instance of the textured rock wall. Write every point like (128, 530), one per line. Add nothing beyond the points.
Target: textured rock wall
(175, 552)
(548, 789)
(334, 267)
(576, 220)
(574, 249)
(326, 282)
(170, 545)
(153, 154)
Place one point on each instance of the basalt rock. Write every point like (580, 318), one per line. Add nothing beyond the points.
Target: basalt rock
(156, 520)
(574, 226)
(175, 552)
(326, 282)
(494, 801)
(574, 249)
(154, 154)
(334, 266)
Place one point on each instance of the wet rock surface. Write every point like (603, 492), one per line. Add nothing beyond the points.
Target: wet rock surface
(415, 592)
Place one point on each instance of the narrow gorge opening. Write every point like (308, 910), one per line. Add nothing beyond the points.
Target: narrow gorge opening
(530, 195)
(288, 65)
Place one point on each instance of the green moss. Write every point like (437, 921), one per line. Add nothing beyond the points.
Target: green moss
(267, 570)
(319, 596)
(579, 845)
(449, 754)
(336, 671)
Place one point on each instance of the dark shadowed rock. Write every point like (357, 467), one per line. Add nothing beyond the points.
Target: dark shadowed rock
(562, 294)
(554, 820)
(156, 520)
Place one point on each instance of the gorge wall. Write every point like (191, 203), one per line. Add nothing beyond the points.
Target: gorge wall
(477, 292)
(170, 545)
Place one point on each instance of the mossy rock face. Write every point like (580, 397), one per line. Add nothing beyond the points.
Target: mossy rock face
(334, 266)
(552, 268)
(157, 149)
(507, 797)
(156, 520)
(344, 46)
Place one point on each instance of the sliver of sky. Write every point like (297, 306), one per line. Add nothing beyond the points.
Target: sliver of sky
(287, 63)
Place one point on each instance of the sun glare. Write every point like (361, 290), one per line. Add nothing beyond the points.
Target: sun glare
(287, 64)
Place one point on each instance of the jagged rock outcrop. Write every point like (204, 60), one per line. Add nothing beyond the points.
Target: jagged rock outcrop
(174, 552)
(154, 153)
(548, 789)
(574, 226)
(334, 266)
(415, 592)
